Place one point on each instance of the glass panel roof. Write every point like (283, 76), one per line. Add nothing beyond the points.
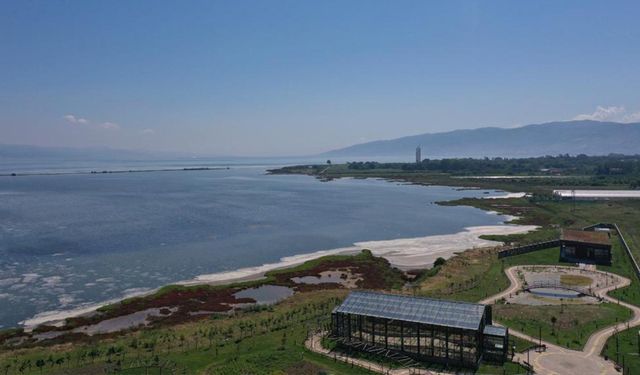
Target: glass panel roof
(495, 331)
(414, 309)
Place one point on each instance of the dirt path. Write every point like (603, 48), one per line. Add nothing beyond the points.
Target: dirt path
(557, 360)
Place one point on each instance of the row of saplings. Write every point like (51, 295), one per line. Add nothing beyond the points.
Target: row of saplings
(152, 352)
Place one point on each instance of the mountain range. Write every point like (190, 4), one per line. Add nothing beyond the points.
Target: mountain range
(552, 138)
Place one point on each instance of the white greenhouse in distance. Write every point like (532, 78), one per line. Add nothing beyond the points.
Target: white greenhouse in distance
(597, 194)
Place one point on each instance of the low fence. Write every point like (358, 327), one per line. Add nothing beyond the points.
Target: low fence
(634, 263)
(528, 248)
(626, 247)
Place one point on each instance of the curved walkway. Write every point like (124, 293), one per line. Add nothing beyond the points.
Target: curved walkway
(557, 360)
(313, 343)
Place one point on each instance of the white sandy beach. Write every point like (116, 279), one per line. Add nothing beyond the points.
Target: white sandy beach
(507, 196)
(404, 253)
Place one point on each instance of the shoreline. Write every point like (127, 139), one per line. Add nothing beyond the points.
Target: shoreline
(402, 253)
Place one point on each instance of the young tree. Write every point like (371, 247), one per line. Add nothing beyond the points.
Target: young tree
(40, 364)
(94, 353)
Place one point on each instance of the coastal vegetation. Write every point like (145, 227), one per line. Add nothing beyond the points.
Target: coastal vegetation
(536, 174)
(261, 341)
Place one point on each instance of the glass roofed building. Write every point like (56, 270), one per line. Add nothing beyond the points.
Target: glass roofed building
(424, 329)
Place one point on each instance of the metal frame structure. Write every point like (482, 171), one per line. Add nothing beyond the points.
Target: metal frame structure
(423, 329)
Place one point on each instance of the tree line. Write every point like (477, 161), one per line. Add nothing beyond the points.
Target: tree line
(582, 165)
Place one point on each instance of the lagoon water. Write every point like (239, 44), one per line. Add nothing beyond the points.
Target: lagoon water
(72, 240)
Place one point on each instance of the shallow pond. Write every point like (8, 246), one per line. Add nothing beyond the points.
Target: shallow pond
(120, 323)
(335, 277)
(555, 293)
(266, 294)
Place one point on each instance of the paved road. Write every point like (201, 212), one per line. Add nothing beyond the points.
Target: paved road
(557, 360)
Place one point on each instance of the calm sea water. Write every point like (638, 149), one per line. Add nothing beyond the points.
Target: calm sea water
(69, 240)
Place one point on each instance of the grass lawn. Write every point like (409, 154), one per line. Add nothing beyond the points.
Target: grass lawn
(575, 280)
(509, 368)
(569, 326)
(478, 274)
(626, 350)
(520, 344)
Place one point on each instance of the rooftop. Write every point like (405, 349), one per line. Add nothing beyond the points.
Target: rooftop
(592, 237)
(604, 194)
(495, 331)
(414, 309)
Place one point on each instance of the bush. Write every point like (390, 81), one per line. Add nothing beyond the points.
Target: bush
(439, 262)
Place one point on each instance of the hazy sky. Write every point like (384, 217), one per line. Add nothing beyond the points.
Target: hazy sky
(299, 77)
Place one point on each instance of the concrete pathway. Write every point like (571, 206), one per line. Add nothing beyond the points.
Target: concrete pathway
(557, 360)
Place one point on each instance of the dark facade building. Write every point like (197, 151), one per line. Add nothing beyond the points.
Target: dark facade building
(580, 246)
(424, 329)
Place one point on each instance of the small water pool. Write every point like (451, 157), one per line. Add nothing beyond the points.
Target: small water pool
(335, 277)
(266, 294)
(555, 293)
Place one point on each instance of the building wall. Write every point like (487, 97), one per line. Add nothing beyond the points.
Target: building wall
(576, 252)
(422, 342)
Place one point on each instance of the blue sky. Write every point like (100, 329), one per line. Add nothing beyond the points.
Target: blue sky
(300, 77)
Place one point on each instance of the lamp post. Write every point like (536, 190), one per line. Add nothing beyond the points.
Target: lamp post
(540, 336)
(617, 348)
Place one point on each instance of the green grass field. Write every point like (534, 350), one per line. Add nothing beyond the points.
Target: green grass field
(569, 325)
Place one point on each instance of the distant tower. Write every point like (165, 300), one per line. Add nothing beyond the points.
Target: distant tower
(418, 155)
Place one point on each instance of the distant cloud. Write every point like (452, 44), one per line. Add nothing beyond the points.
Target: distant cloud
(148, 131)
(611, 113)
(632, 117)
(73, 119)
(110, 126)
(77, 120)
